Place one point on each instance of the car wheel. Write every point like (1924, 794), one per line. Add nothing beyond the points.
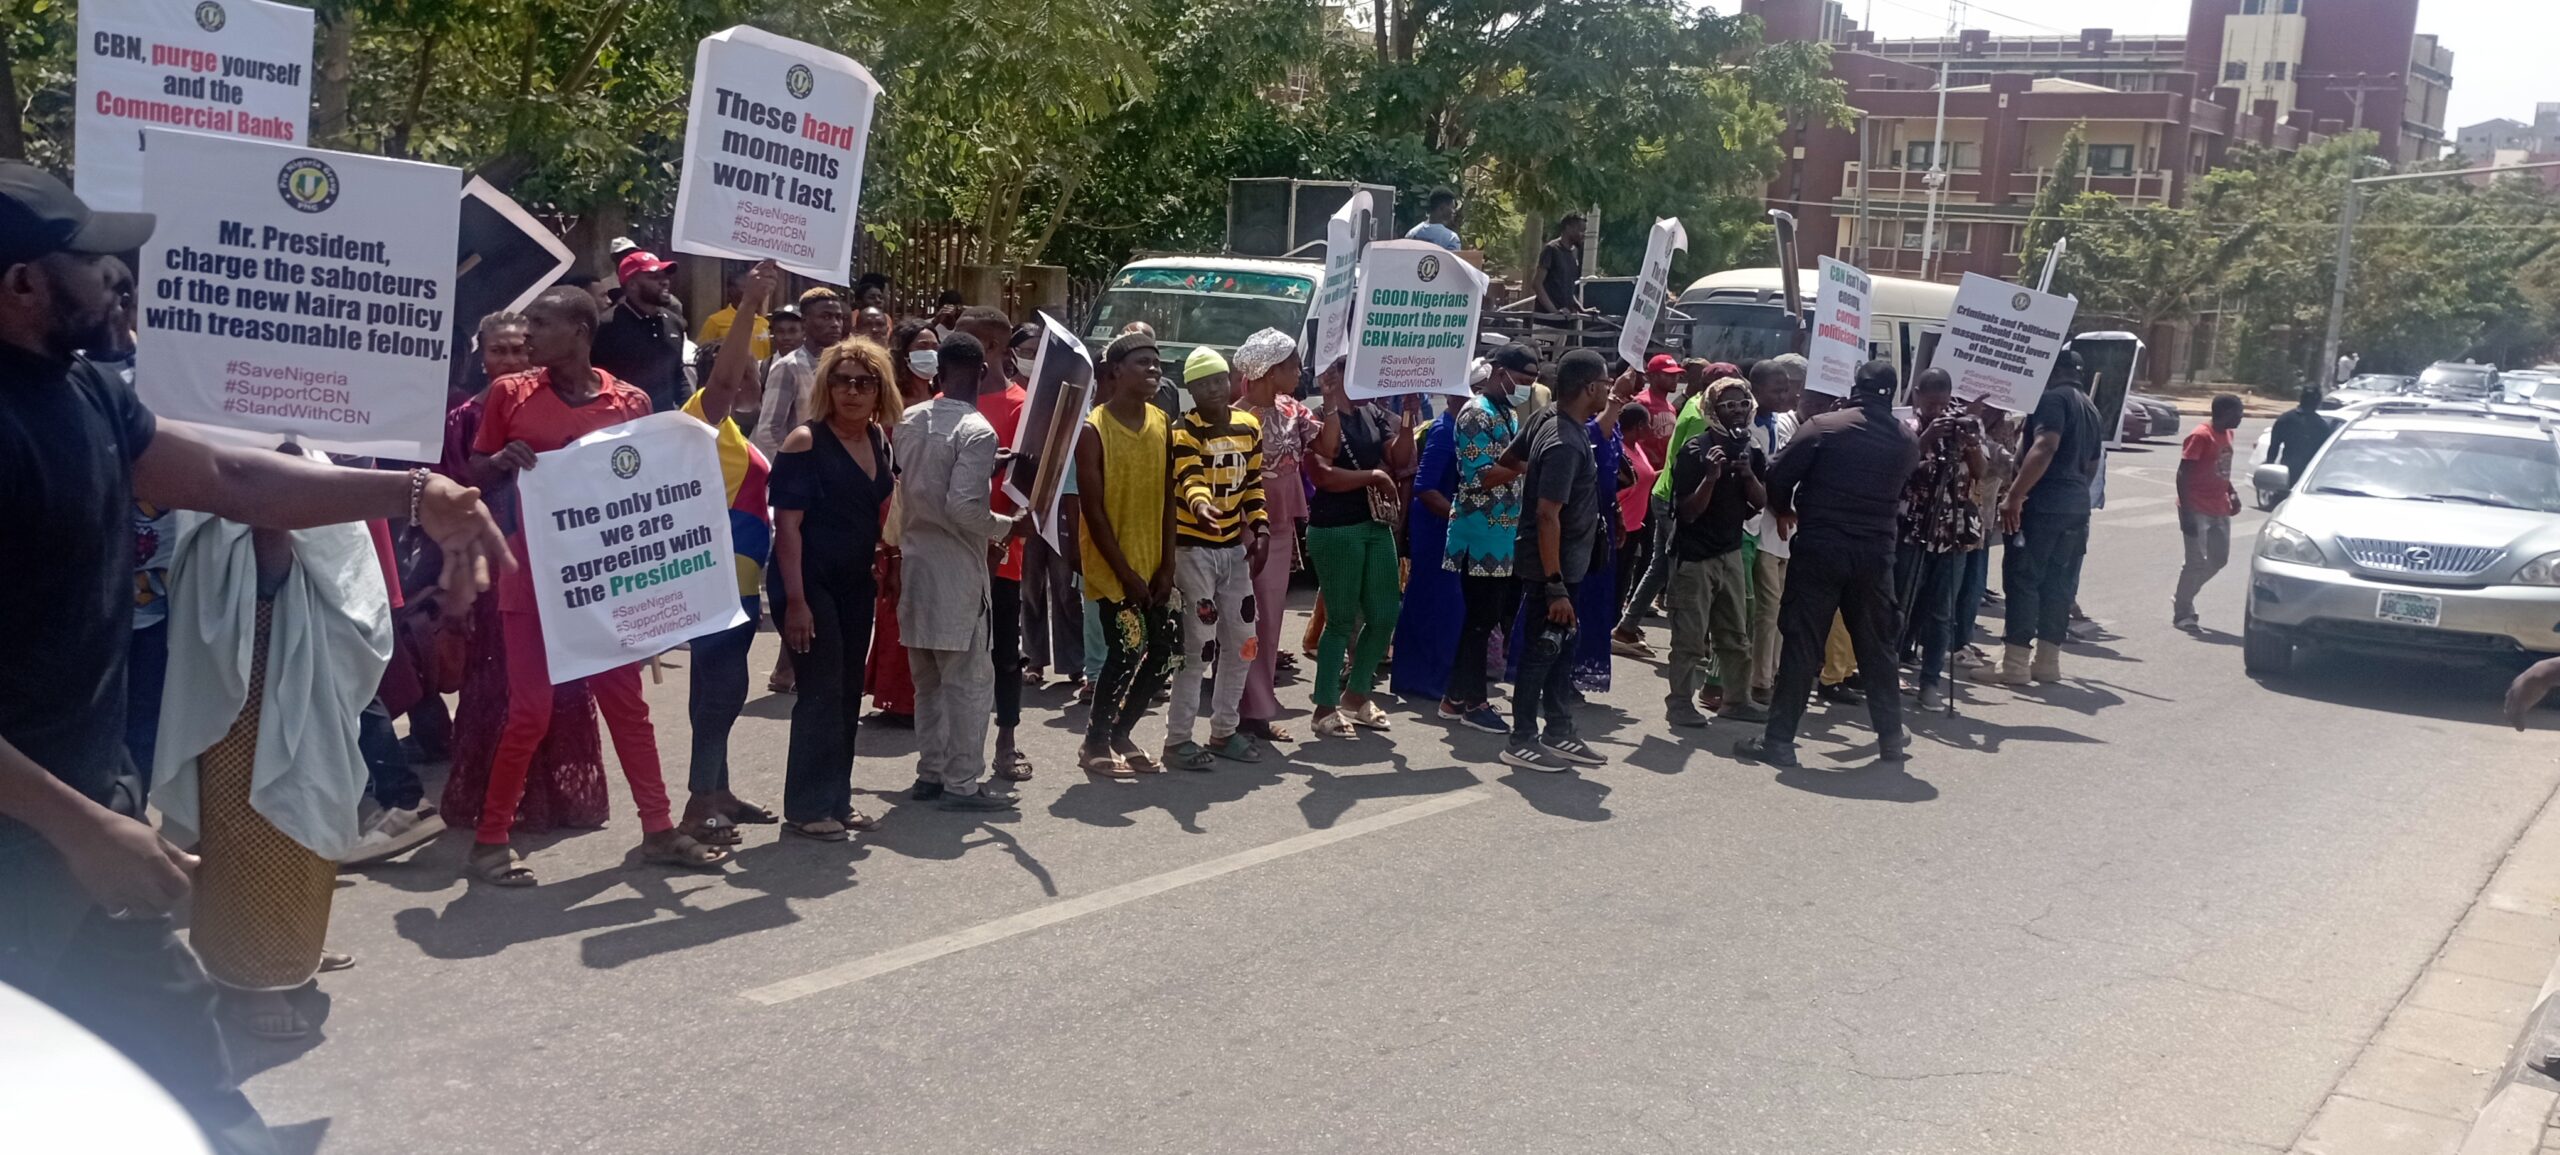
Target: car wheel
(2263, 652)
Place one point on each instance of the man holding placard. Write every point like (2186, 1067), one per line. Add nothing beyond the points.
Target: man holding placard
(773, 153)
(562, 399)
(2047, 515)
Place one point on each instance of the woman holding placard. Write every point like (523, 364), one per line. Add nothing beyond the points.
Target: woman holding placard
(830, 485)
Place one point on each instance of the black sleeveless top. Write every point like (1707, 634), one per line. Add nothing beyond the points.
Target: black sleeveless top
(840, 505)
(1363, 447)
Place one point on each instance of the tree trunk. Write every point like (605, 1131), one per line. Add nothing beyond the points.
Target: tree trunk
(13, 133)
(1404, 32)
(1378, 16)
(336, 71)
(398, 142)
(1057, 215)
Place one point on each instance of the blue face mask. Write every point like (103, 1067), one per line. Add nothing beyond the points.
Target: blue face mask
(923, 362)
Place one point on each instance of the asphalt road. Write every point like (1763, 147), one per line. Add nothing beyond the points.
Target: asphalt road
(2156, 908)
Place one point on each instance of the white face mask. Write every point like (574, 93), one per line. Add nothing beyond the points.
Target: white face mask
(923, 362)
(1022, 365)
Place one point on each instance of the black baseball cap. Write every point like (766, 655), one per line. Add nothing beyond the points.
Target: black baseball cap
(40, 215)
(1517, 358)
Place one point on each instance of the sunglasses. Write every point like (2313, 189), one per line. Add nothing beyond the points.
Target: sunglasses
(867, 383)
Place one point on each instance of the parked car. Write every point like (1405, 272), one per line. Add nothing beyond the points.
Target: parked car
(2337, 415)
(2530, 386)
(2458, 381)
(2419, 528)
(2369, 385)
(2160, 418)
(2137, 423)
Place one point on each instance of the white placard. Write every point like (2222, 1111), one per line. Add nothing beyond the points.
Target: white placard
(1416, 324)
(1346, 232)
(773, 153)
(2001, 341)
(226, 67)
(298, 291)
(1838, 343)
(1653, 286)
(627, 531)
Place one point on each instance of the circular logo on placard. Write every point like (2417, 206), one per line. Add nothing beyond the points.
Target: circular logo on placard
(210, 17)
(308, 184)
(626, 463)
(2020, 302)
(800, 81)
(1427, 270)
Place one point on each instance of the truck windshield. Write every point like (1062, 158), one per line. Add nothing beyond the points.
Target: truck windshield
(1205, 307)
(1738, 332)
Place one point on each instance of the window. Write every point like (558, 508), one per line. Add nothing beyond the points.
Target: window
(2275, 70)
(2253, 7)
(2236, 70)
(2111, 159)
(1956, 237)
(2292, 7)
(1961, 155)
(1912, 231)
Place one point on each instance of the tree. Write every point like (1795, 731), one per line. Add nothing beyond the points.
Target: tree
(2045, 218)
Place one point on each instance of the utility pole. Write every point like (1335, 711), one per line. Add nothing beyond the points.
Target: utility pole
(2360, 85)
(2347, 214)
(1866, 159)
(1936, 180)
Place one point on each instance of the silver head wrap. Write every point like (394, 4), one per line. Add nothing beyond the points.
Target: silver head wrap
(1260, 352)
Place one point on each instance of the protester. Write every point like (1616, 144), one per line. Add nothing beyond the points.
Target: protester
(1776, 389)
(1635, 544)
(277, 640)
(1999, 462)
(1557, 283)
(914, 352)
(641, 338)
(1653, 439)
(2298, 435)
(1268, 364)
(1941, 524)
(871, 291)
(717, 690)
(1716, 487)
(1222, 531)
(873, 324)
(1842, 478)
(784, 334)
(715, 328)
(593, 286)
(1052, 610)
(831, 487)
(946, 312)
(947, 454)
(1484, 533)
(1434, 609)
(561, 399)
(2206, 504)
(1439, 214)
(2047, 515)
(1124, 482)
(787, 382)
(1000, 399)
(1558, 536)
(90, 883)
(1596, 603)
(1354, 461)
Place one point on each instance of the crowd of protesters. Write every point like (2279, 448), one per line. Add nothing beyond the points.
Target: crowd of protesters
(1791, 545)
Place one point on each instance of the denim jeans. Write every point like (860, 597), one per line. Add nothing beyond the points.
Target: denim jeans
(1657, 570)
(1546, 670)
(1976, 579)
(393, 782)
(2040, 573)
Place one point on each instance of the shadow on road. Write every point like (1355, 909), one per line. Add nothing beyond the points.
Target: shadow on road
(2450, 692)
(1869, 782)
(1561, 795)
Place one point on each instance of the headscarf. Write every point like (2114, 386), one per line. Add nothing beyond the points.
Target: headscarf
(1716, 391)
(1719, 370)
(1255, 358)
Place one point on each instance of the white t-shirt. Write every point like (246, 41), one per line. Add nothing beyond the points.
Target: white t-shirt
(1769, 435)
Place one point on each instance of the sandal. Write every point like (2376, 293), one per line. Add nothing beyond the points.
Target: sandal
(822, 830)
(1189, 756)
(744, 813)
(503, 868)
(683, 851)
(857, 820)
(1013, 766)
(1334, 725)
(336, 960)
(283, 1025)
(712, 830)
(1107, 764)
(1142, 762)
(1239, 747)
(1266, 730)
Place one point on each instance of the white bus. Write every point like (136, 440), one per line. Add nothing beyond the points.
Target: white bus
(1740, 315)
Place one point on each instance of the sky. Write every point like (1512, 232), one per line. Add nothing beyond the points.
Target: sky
(2495, 42)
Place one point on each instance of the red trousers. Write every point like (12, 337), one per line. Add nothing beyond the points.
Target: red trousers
(626, 717)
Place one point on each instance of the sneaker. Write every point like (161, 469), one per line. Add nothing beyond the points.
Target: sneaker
(1896, 748)
(982, 801)
(1483, 718)
(1365, 714)
(1970, 657)
(1933, 698)
(924, 791)
(1677, 711)
(1760, 750)
(1840, 694)
(1744, 710)
(1527, 756)
(1572, 749)
(2186, 621)
(395, 833)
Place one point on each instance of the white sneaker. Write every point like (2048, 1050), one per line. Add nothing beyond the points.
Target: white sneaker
(396, 833)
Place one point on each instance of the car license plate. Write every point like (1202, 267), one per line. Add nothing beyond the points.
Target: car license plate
(2408, 608)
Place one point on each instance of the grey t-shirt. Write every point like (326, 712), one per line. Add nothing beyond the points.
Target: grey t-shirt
(1561, 469)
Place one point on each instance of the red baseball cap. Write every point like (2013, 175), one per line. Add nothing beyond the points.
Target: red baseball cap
(1662, 363)
(639, 261)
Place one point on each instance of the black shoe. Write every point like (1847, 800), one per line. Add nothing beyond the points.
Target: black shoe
(985, 800)
(1894, 749)
(925, 791)
(1842, 694)
(1758, 750)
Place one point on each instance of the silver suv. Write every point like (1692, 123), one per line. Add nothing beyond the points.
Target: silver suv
(2430, 527)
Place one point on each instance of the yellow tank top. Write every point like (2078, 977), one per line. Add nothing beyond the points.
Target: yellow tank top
(1133, 495)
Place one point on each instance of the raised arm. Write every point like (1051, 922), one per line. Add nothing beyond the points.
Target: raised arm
(736, 360)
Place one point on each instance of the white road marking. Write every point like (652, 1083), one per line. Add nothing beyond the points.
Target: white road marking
(845, 974)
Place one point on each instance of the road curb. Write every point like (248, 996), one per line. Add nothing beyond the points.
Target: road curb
(2518, 1110)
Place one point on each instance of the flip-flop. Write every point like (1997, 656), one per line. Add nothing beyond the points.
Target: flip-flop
(1106, 765)
(712, 831)
(683, 852)
(285, 1026)
(1142, 762)
(857, 820)
(822, 830)
(745, 813)
(499, 870)
(336, 960)
(1014, 766)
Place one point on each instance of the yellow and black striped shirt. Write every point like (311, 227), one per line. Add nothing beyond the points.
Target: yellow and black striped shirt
(1222, 462)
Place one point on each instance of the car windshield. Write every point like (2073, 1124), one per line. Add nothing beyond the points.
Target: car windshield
(2456, 380)
(1188, 307)
(2442, 465)
(1737, 332)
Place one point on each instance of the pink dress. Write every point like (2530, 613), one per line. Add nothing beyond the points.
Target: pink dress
(1288, 427)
